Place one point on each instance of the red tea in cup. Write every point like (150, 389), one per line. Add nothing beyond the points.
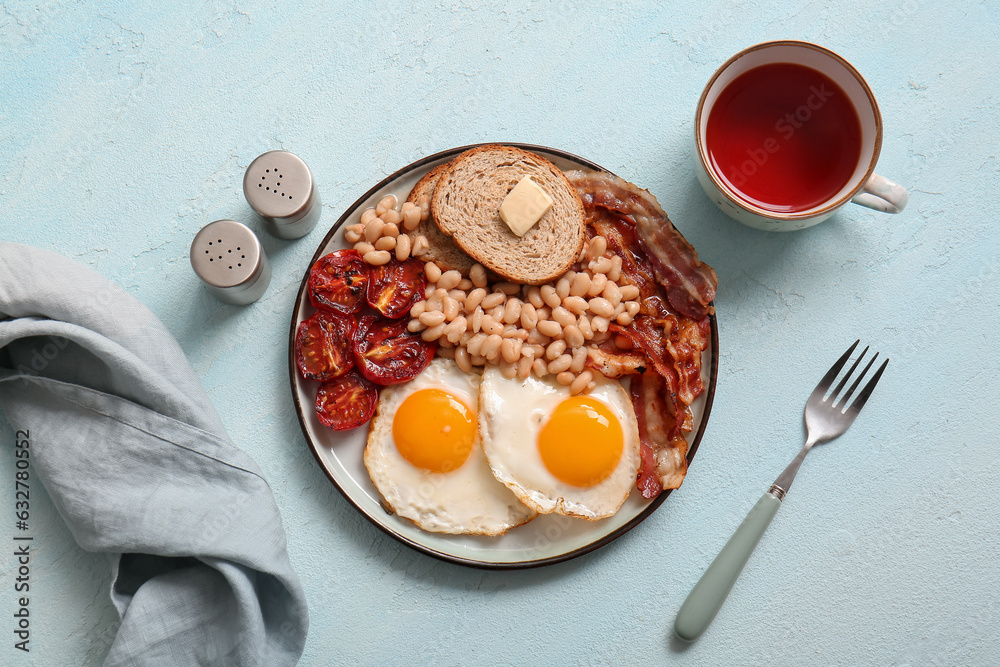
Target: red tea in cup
(785, 137)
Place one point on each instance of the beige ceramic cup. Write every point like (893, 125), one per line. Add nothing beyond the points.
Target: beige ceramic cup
(864, 187)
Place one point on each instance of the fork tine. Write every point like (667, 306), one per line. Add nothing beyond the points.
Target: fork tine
(862, 398)
(847, 376)
(850, 392)
(820, 391)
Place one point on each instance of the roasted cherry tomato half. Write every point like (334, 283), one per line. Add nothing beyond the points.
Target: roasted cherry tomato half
(393, 288)
(346, 402)
(323, 346)
(386, 353)
(337, 282)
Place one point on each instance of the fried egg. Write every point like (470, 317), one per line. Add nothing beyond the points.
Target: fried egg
(573, 455)
(424, 456)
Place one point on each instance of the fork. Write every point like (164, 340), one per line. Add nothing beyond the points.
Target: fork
(826, 418)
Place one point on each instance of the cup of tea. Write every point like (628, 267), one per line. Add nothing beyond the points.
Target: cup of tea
(787, 132)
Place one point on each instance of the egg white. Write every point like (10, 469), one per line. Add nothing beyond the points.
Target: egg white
(511, 415)
(468, 500)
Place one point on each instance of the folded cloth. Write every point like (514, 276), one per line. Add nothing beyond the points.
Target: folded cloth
(136, 460)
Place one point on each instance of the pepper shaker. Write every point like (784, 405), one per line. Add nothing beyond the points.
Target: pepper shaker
(229, 259)
(279, 187)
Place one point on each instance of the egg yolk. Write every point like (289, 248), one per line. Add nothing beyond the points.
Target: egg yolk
(581, 442)
(434, 430)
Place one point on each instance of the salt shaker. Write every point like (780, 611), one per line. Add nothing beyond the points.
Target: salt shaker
(279, 187)
(229, 259)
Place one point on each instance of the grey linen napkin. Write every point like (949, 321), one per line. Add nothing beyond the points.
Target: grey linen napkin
(135, 458)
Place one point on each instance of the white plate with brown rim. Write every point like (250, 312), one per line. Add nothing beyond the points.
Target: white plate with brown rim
(547, 539)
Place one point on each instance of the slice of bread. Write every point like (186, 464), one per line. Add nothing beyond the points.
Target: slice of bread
(466, 206)
(443, 250)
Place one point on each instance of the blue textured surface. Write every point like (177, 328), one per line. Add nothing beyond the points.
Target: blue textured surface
(123, 131)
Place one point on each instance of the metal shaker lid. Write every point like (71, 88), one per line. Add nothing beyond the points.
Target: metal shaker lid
(279, 187)
(229, 259)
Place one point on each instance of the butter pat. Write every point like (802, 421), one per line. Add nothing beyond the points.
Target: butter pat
(524, 206)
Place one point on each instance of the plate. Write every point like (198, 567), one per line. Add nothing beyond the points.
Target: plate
(546, 540)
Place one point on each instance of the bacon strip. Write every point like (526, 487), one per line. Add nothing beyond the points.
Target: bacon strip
(690, 283)
(662, 445)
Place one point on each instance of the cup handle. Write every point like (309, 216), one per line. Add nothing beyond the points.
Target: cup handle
(883, 195)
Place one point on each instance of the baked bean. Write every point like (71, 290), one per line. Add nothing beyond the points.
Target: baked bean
(562, 288)
(450, 307)
(510, 348)
(597, 284)
(434, 301)
(432, 333)
(475, 344)
(529, 318)
(477, 319)
(524, 367)
(600, 337)
(512, 310)
(555, 350)
(612, 294)
(619, 309)
(539, 368)
(432, 271)
(377, 257)
(466, 337)
(507, 369)
(411, 216)
(458, 295)
(418, 308)
(549, 328)
(573, 336)
(373, 230)
(449, 280)
(455, 329)
(534, 296)
(510, 289)
(563, 316)
(465, 285)
(600, 325)
(575, 304)
(387, 202)
(385, 243)
(493, 300)
(477, 274)
(580, 284)
(429, 291)
(474, 299)
(579, 385)
(402, 247)
(364, 247)
(535, 337)
(390, 229)
(431, 318)
(529, 350)
(352, 235)
(600, 265)
(623, 342)
(598, 246)
(601, 306)
(550, 296)
(491, 347)
(478, 361)
(579, 359)
(565, 378)
(624, 319)
(391, 217)
(629, 292)
(491, 326)
(424, 202)
(583, 324)
(463, 359)
(420, 246)
(445, 349)
(515, 332)
(616, 269)
(632, 308)
(560, 364)
(413, 326)
(368, 215)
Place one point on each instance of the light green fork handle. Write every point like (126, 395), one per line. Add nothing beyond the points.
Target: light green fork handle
(707, 596)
